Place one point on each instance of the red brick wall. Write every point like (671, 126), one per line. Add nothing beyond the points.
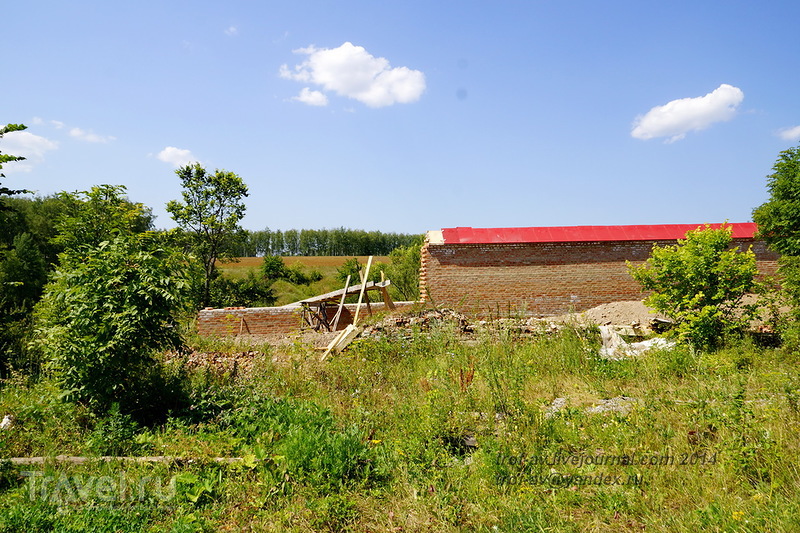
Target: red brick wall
(253, 320)
(540, 279)
(269, 320)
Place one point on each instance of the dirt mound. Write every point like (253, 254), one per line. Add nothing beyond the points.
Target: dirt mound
(622, 313)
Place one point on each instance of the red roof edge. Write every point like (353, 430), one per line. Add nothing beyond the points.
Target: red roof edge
(656, 232)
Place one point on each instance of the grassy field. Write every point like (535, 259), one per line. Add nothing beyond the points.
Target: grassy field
(431, 431)
(288, 292)
(327, 265)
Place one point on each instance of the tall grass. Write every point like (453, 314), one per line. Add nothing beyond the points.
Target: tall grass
(434, 431)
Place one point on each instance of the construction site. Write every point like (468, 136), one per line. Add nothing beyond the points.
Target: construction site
(526, 278)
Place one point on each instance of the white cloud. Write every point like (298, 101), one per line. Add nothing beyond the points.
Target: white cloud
(315, 98)
(678, 117)
(790, 134)
(351, 71)
(31, 147)
(232, 31)
(89, 136)
(176, 156)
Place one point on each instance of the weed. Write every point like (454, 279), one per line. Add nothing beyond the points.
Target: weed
(114, 434)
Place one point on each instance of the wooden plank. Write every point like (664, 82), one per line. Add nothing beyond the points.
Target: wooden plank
(341, 304)
(345, 337)
(331, 344)
(363, 286)
(334, 296)
(387, 300)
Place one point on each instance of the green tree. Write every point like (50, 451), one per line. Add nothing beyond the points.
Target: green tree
(8, 158)
(210, 212)
(97, 215)
(778, 222)
(351, 268)
(700, 283)
(102, 320)
(37, 216)
(273, 268)
(404, 270)
(778, 218)
(23, 273)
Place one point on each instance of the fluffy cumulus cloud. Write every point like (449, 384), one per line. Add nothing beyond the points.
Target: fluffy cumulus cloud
(353, 72)
(790, 134)
(177, 157)
(31, 147)
(88, 136)
(678, 117)
(315, 98)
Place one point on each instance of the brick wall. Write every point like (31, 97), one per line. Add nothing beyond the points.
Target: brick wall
(270, 320)
(540, 279)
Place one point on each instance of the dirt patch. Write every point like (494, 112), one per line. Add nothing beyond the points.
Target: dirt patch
(633, 312)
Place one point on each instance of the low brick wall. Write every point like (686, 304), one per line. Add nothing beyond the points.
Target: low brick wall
(271, 320)
(541, 279)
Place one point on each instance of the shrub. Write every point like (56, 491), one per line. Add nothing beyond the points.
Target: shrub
(700, 283)
(102, 319)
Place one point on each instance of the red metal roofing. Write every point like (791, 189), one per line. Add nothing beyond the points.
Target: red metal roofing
(657, 232)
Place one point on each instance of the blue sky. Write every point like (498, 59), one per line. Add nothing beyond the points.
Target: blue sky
(409, 116)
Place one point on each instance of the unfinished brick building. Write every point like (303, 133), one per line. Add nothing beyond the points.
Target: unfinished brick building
(548, 271)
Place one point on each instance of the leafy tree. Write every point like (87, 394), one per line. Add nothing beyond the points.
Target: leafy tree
(97, 215)
(700, 283)
(778, 218)
(273, 267)
(251, 291)
(23, 273)
(209, 214)
(37, 216)
(8, 158)
(102, 319)
(404, 270)
(352, 267)
(778, 222)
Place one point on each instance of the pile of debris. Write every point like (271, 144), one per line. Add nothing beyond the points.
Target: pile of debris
(423, 320)
(237, 363)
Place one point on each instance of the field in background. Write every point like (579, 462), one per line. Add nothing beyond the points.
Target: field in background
(287, 292)
(327, 264)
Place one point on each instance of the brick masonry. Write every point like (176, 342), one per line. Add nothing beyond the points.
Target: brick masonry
(541, 279)
(269, 320)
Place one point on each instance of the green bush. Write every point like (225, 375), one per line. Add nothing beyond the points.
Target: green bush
(251, 291)
(102, 319)
(700, 283)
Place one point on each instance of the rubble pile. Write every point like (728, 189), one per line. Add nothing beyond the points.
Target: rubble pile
(422, 320)
(236, 363)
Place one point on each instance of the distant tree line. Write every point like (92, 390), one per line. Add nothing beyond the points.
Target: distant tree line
(338, 242)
